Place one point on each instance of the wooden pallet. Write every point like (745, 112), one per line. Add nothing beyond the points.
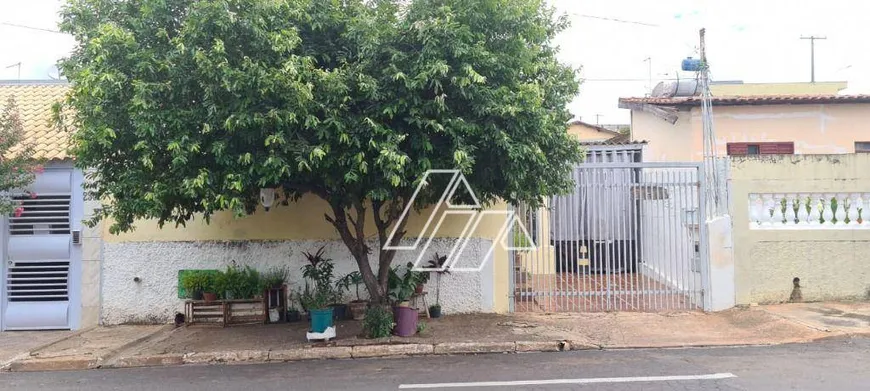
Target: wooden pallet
(225, 312)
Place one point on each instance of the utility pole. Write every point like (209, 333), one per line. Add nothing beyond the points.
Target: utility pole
(813, 39)
(596, 118)
(648, 60)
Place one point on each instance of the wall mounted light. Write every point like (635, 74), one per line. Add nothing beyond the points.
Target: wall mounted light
(267, 197)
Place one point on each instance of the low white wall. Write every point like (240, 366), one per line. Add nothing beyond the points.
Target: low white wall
(155, 298)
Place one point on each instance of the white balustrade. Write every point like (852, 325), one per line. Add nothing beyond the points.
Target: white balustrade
(802, 203)
(809, 211)
(790, 217)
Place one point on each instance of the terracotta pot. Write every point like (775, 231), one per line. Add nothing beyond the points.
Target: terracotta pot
(419, 288)
(209, 297)
(358, 309)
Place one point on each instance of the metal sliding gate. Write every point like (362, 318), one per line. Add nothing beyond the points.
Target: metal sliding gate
(629, 237)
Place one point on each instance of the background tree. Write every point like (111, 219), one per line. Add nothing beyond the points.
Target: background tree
(17, 166)
(187, 107)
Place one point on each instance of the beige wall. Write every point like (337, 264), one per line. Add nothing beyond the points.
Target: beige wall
(831, 87)
(814, 129)
(831, 263)
(587, 133)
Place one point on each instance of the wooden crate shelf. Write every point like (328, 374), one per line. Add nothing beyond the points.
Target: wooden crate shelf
(225, 312)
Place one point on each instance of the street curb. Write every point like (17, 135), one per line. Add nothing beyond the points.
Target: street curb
(346, 352)
(55, 364)
(6, 365)
(31, 363)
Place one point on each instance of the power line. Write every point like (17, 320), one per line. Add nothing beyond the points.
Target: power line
(616, 20)
(21, 26)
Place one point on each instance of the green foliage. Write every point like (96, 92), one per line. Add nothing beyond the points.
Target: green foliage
(437, 262)
(352, 278)
(421, 327)
(402, 282)
(315, 298)
(198, 281)
(185, 108)
(239, 282)
(378, 322)
(17, 167)
(320, 289)
(275, 276)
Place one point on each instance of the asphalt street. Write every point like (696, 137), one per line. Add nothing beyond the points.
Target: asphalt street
(836, 364)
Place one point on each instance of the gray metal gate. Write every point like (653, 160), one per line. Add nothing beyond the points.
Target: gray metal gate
(629, 237)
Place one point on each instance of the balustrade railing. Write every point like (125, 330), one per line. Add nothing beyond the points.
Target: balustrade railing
(809, 210)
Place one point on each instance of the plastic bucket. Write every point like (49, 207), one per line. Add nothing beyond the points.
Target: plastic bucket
(320, 319)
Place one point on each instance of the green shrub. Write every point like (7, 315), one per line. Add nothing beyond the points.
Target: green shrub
(239, 282)
(378, 322)
(275, 276)
(198, 280)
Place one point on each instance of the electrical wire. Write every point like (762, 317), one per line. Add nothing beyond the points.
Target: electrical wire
(616, 20)
(21, 26)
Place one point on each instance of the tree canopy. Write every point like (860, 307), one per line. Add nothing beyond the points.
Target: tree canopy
(188, 107)
(17, 165)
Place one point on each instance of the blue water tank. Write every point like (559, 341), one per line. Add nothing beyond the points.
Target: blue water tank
(691, 64)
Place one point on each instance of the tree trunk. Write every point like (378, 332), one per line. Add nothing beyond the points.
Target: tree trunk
(352, 232)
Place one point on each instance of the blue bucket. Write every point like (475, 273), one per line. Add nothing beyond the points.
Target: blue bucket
(320, 319)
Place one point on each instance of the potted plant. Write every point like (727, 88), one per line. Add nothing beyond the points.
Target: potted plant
(239, 283)
(357, 307)
(319, 292)
(339, 308)
(437, 263)
(316, 301)
(273, 281)
(402, 286)
(196, 282)
(292, 314)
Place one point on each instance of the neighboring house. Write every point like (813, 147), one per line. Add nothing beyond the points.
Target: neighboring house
(49, 274)
(587, 132)
(751, 125)
(739, 88)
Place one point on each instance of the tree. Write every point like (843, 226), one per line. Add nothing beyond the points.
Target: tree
(189, 107)
(17, 166)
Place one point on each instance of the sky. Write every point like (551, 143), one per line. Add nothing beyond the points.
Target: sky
(609, 41)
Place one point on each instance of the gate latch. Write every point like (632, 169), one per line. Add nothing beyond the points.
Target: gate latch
(77, 236)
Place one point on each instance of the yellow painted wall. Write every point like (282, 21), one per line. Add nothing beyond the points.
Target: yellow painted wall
(831, 263)
(814, 129)
(588, 133)
(304, 220)
(777, 88)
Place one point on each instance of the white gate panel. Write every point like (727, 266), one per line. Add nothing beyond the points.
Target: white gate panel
(39, 258)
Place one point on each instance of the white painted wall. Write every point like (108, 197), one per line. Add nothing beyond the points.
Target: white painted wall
(154, 299)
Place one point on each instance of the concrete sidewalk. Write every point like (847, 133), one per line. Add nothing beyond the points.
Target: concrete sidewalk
(133, 346)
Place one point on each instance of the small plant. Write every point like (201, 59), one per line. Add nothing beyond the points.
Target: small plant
(403, 283)
(421, 327)
(239, 282)
(275, 276)
(378, 322)
(196, 282)
(355, 279)
(437, 263)
(315, 298)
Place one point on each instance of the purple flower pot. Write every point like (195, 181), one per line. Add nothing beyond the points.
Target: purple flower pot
(406, 321)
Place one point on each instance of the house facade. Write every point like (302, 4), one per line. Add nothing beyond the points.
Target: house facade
(586, 132)
(751, 125)
(58, 273)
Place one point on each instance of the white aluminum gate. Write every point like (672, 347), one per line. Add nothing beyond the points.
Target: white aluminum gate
(629, 237)
(42, 255)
